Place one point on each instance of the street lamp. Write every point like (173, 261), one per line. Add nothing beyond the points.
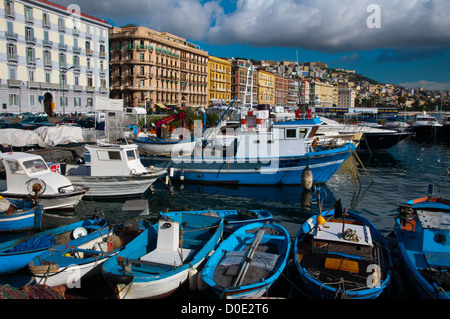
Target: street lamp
(63, 72)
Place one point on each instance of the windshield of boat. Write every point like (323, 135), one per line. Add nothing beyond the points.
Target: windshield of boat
(35, 166)
(132, 155)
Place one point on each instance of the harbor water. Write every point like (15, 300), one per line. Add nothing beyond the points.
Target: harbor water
(371, 183)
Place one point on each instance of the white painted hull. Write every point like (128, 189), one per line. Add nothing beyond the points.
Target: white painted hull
(71, 276)
(155, 289)
(115, 186)
(54, 201)
(184, 148)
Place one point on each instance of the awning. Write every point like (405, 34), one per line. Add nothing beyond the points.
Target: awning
(162, 106)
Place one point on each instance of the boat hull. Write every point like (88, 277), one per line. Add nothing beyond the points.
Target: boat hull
(11, 261)
(268, 171)
(381, 141)
(60, 201)
(115, 186)
(22, 220)
(158, 147)
(226, 271)
(317, 289)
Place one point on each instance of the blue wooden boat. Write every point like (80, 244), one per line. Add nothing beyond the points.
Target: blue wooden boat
(161, 259)
(18, 215)
(233, 219)
(275, 154)
(249, 261)
(16, 254)
(67, 264)
(422, 231)
(341, 255)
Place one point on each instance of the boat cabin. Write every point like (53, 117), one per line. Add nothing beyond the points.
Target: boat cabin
(18, 168)
(109, 160)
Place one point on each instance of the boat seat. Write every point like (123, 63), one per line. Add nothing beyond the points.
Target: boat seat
(437, 259)
(167, 257)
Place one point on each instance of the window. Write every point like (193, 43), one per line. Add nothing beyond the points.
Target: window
(29, 14)
(14, 99)
(32, 100)
(108, 155)
(89, 81)
(30, 56)
(45, 20)
(12, 73)
(62, 60)
(63, 102)
(12, 53)
(47, 58)
(88, 45)
(35, 166)
(15, 167)
(48, 77)
(61, 25)
(31, 75)
(10, 9)
(77, 101)
(291, 133)
(131, 155)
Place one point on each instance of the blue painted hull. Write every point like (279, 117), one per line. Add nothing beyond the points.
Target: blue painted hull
(317, 289)
(22, 219)
(420, 243)
(11, 261)
(269, 171)
(231, 253)
(133, 278)
(233, 219)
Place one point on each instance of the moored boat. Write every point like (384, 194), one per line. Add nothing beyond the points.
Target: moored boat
(19, 215)
(259, 154)
(27, 174)
(248, 262)
(69, 263)
(233, 219)
(16, 254)
(112, 170)
(161, 259)
(162, 146)
(340, 254)
(422, 233)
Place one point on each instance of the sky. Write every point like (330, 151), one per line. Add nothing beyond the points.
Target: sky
(403, 42)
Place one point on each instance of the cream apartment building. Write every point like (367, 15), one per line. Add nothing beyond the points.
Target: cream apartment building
(156, 69)
(52, 58)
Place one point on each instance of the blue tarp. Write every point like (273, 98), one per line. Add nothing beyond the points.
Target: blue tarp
(34, 243)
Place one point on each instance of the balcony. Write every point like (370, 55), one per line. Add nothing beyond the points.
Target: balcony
(47, 44)
(62, 47)
(11, 36)
(76, 50)
(89, 52)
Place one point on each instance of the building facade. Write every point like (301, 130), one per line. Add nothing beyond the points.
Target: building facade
(266, 87)
(242, 87)
(52, 58)
(156, 69)
(219, 79)
(321, 91)
(346, 97)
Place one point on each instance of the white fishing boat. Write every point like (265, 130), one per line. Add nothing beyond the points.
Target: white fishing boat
(24, 174)
(112, 170)
(150, 145)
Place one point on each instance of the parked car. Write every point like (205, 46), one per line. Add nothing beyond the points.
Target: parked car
(89, 114)
(3, 121)
(13, 125)
(68, 120)
(87, 122)
(41, 114)
(33, 122)
(25, 115)
(8, 115)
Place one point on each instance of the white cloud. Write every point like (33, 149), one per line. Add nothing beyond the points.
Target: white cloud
(428, 85)
(322, 25)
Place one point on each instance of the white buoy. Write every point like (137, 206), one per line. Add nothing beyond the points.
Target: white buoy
(171, 172)
(192, 275)
(307, 178)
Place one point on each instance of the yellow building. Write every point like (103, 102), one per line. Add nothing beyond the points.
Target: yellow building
(219, 79)
(266, 87)
(323, 92)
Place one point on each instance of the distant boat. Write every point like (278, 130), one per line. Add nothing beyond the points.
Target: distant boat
(259, 154)
(163, 257)
(27, 174)
(373, 137)
(248, 262)
(426, 127)
(16, 254)
(422, 231)
(396, 123)
(68, 264)
(233, 219)
(341, 255)
(19, 215)
(112, 170)
(162, 146)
